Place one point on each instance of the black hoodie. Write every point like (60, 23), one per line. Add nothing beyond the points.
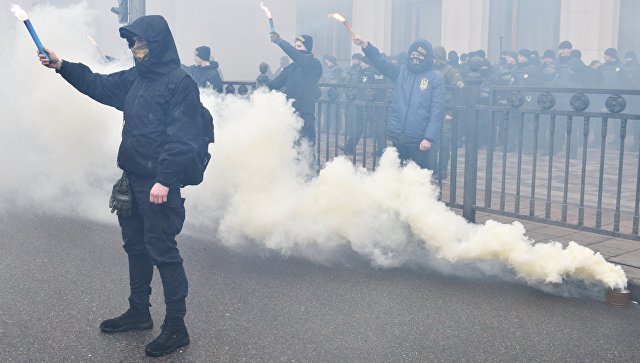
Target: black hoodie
(299, 79)
(160, 103)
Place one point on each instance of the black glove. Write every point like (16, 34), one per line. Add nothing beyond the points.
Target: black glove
(121, 197)
(275, 37)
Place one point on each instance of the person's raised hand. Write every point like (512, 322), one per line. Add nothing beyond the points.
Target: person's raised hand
(275, 37)
(360, 42)
(54, 61)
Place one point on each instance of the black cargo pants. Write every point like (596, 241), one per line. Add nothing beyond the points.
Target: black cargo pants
(149, 239)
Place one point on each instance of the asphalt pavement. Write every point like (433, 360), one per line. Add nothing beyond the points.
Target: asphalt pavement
(60, 276)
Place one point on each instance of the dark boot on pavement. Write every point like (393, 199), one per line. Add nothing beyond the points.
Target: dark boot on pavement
(173, 336)
(137, 317)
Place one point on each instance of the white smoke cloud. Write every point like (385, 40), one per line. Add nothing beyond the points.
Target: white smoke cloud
(58, 145)
(258, 192)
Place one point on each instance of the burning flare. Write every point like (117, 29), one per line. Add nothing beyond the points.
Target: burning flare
(266, 10)
(338, 17)
(344, 22)
(22, 16)
(268, 14)
(19, 13)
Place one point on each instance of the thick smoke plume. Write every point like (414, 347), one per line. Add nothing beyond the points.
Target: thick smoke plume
(260, 191)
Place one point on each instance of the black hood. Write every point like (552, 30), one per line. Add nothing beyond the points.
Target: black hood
(423, 46)
(163, 55)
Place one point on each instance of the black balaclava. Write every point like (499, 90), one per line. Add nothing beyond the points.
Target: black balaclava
(417, 65)
(163, 55)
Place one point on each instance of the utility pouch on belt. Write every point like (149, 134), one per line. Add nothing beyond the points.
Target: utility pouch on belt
(121, 197)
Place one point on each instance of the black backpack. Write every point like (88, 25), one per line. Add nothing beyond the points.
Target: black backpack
(193, 173)
(194, 170)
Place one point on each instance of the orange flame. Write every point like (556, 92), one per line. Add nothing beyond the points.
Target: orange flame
(338, 17)
(265, 9)
(344, 22)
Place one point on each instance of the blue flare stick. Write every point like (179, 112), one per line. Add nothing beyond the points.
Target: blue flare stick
(36, 40)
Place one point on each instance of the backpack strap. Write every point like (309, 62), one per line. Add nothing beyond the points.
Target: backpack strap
(175, 78)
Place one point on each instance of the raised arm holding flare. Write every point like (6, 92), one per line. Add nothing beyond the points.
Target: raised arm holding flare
(300, 80)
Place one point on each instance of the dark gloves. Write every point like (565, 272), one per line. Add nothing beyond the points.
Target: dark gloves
(120, 200)
(275, 37)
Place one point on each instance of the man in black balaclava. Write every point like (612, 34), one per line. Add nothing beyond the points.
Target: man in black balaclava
(160, 103)
(300, 80)
(205, 71)
(417, 105)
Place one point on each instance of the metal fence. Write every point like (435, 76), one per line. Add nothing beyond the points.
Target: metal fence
(567, 157)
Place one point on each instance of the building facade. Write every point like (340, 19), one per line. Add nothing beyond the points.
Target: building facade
(466, 25)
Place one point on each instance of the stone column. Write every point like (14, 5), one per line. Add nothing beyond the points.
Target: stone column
(372, 21)
(465, 25)
(590, 25)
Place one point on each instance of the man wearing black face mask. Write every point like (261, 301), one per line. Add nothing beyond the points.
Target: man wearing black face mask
(160, 103)
(300, 81)
(417, 105)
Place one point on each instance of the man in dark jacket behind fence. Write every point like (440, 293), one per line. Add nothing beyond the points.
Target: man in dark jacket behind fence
(418, 100)
(205, 71)
(300, 80)
(161, 106)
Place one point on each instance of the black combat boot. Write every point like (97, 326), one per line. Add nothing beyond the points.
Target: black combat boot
(173, 336)
(136, 318)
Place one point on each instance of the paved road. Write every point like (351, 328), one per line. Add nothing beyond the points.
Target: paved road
(59, 277)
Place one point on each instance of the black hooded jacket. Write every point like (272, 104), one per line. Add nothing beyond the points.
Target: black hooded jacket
(160, 103)
(299, 79)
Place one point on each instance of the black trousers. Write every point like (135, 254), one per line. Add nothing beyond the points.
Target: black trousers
(308, 130)
(149, 239)
(410, 150)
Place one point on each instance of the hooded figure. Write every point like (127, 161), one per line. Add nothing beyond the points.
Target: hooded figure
(300, 80)
(161, 105)
(205, 71)
(417, 105)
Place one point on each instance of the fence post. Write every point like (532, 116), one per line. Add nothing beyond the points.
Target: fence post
(472, 86)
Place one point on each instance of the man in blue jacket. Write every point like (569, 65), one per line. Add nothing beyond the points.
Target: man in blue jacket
(417, 104)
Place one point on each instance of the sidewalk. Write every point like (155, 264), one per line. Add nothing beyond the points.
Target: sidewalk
(623, 252)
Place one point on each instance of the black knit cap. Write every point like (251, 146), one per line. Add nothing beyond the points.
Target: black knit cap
(356, 56)
(421, 46)
(332, 59)
(549, 53)
(565, 45)
(525, 53)
(204, 53)
(631, 54)
(611, 52)
(307, 41)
